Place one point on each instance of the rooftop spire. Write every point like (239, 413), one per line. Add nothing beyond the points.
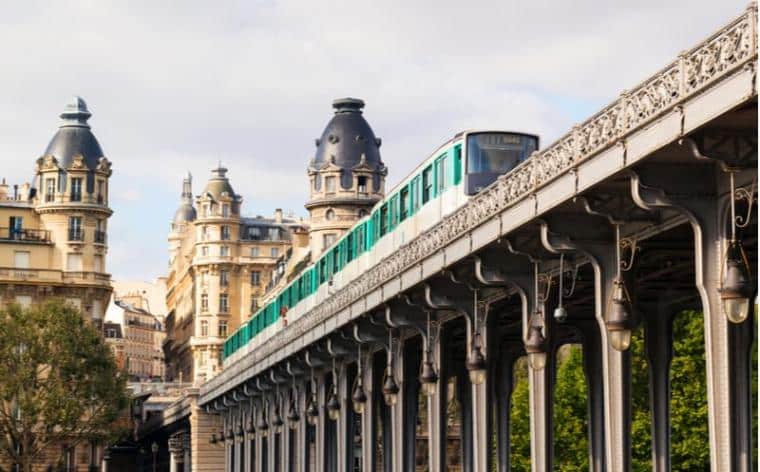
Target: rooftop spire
(75, 113)
(187, 189)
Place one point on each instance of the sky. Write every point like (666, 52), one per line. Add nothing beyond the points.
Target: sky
(176, 87)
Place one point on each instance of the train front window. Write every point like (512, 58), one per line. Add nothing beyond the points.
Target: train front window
(492, 154)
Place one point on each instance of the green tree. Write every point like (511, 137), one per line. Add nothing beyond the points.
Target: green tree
(689, 434)
(58, 382)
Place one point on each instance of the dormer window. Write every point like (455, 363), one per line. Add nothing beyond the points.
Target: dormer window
(76, 190)
(362, 184)
(330, 184)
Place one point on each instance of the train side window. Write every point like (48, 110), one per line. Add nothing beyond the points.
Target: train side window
(404, 204)
(457, 164)
(440, 164)
(383, 220)
(427, 184)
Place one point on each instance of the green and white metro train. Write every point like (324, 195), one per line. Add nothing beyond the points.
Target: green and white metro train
(457, 170)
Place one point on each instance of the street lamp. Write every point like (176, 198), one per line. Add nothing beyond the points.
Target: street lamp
(358, 397)
(619, 321)
(154, 450)
(390, 387)
(428, 376)
(560, 314)
(333, 404)
(312, 411)
(734, 287)
(293, 416)
(535, 344)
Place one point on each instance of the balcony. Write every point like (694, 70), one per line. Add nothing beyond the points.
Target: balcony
(100, 237)
(51, 276)
(23, 235)
(76, 234)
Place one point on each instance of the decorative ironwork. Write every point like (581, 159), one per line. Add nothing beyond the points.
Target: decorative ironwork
(715, 59)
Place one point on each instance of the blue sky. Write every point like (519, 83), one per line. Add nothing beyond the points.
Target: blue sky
(176, 87)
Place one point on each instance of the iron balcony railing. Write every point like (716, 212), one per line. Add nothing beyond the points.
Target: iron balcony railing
(76, 234)
(25, 235)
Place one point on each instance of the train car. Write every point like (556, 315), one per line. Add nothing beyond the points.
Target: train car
(458, 169)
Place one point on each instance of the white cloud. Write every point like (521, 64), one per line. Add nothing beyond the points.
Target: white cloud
(176, 88)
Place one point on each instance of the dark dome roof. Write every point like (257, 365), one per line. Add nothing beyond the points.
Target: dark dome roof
(219, 184)
(185, 214)
(74, 137)
(346, 138)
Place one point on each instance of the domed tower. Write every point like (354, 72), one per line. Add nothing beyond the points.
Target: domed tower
(183, 217)
(71, 196)
(347, 176)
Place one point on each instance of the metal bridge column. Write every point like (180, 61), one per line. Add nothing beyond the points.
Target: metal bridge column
(658, 337)
(436, 406)
(727, 345)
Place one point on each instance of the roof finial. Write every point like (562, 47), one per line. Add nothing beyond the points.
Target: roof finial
(75, 113)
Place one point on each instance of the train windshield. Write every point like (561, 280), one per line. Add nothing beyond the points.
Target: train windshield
(492, 154)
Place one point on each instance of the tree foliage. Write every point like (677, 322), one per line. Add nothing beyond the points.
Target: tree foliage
(689, 434)
(58, 382)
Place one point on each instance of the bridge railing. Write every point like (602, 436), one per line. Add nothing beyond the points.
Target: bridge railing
(728, 50)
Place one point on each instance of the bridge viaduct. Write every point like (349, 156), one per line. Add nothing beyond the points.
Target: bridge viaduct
(643, 211)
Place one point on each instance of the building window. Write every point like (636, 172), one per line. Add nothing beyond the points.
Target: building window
(255, 277)
(274, 252)
(97, 265)
(330, 215)
(224, 278)
(49, 190)
(254, 233)
(204, 210)
(76, 189)
(404, 204)
(204, 302)
(204, 278)
(222, 329)
(254, 252)
(362, 184)
(101, 193)
(16, 227)
(330, 184)
(204, 328)
(74, 262)
(254, 304)
(75, 229)
(328, 240)
(204, 233)
(21, 259)
(224, 251)
(225, 233)
(100, 233)
(203, 355)
(225, 210)
(274, 234)
(224, 303)
(204, 250)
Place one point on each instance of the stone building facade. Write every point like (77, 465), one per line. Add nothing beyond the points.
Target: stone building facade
(53, 244)
(53, 231)
(219, 265)
(346, 175)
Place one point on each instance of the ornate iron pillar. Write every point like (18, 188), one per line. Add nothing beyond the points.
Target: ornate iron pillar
(726, 344)
(658, 337)
(437, 406)
(368, 417)
(481, 443)
(410, 390)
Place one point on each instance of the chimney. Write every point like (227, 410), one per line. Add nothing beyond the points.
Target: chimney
(278, 215)
(3, 190)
